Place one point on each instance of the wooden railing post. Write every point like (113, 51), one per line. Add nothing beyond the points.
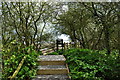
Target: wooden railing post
(67, 45)
(64, 45)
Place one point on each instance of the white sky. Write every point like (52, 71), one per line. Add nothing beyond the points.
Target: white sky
(64, 37)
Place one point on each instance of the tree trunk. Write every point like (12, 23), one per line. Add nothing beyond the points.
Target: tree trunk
(107, 38)
(119, 39)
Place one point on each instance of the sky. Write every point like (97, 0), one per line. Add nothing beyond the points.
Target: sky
(64, 37)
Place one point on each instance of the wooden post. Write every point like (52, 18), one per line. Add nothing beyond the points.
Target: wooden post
(57, 46)
(64, 46)
(59, 42)
(70, 45)
(67, 45)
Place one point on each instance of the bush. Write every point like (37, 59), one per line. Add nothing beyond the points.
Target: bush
(85, 64)
(53, 53)
(60, 51)
(13, 56)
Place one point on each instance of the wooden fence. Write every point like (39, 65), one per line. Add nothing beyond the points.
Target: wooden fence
(53, 47)
(69, 45)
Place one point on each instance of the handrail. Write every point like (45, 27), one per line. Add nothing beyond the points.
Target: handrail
(18, 68)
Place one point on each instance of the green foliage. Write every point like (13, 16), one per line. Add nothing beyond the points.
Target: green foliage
(12, 58)
(60, 51)
(85, 64)
(53, 53)
(17, 23)
(84, 23)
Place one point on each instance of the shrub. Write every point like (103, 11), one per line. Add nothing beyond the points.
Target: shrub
(60, 51)
(53, 53)
(13, 56)
(85, 64)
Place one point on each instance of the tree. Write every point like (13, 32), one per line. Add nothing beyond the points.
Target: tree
(92, 24)
(22, 21)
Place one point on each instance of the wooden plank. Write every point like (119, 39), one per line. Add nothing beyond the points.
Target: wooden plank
(52, 71)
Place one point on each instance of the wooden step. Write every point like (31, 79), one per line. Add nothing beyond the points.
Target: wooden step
(51, 60)
(52, 69)
(51, 77)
